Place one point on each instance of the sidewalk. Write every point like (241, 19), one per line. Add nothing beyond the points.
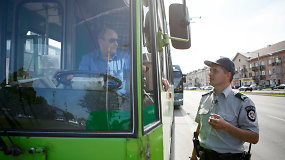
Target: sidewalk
(267, 90)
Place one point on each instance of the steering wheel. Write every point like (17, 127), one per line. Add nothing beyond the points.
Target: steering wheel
(112, 84)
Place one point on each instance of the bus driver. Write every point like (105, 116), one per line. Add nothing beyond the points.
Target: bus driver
(107, 59)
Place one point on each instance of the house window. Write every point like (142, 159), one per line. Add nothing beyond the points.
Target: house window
(278, 70)
(250, 74)
(263, 72)
(255, 64)
(249, 66)
(269, 61)
(269, 72)
(262, 63)
(273, 70)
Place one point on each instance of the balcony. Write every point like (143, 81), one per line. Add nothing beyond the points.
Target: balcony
(262, 67)
(244, 70)
(276, 63)
(262, 77)
(254, 68)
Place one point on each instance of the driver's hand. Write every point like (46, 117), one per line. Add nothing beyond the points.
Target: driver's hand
(165, 84)
(65, 78)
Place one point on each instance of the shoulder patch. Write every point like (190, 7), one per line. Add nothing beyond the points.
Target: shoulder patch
(241, 96)
(207, 93)
(250, 113)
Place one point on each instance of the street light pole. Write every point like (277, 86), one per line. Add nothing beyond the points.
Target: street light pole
(191, 19)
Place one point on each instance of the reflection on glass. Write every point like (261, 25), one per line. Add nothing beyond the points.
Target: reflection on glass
(85, 89)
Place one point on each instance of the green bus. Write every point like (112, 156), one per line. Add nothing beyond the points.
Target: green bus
(122, 114)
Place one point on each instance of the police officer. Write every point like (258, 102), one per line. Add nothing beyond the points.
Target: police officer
(226, 119)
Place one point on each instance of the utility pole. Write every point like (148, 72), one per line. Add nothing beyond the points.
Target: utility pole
(258, 65)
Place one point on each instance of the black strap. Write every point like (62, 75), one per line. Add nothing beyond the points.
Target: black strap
(249, 148)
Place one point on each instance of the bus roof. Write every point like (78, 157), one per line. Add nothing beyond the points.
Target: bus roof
(176, 68)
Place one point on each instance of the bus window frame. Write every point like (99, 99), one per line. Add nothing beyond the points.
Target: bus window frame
(3, 40)
(153, 12)
(14, 42)
(66, 41)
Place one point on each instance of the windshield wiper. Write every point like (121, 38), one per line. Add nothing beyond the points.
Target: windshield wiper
(14, 149)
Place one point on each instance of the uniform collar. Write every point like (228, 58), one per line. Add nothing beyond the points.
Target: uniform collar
(227, 91)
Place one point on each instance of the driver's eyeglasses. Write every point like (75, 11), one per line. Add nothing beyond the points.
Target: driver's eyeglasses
(113, 40)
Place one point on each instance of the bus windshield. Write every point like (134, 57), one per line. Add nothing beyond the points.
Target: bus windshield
(67, 72)
(178, 85)
(177, 77)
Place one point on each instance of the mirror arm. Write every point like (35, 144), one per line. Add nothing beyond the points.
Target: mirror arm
(162, 40)
(179, 39)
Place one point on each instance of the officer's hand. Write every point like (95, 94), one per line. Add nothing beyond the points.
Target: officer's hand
(193, 158)
(217, 122)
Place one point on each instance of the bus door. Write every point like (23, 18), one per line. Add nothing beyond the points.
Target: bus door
(157, 103)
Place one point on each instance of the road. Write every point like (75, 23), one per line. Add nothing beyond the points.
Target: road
(271, 115)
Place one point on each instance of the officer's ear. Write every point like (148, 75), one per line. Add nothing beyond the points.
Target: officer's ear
(229, 76)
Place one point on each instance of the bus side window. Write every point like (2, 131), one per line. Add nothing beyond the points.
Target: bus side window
(39, 38)
(149, 95)
(163, 52)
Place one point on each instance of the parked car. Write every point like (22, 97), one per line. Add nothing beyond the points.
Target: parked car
(281, 86)
(245, 88)
(208, 87)
(192, 88)
(253, 86)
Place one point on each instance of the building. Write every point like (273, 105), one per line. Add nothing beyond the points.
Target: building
(198, 78)
(264, 67)
(241, 77)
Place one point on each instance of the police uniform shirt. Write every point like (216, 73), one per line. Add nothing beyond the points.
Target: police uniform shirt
(236, 109)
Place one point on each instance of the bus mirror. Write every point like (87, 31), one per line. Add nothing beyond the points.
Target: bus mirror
(179, 26)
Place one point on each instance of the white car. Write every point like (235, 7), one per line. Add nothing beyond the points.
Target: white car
(208, 88)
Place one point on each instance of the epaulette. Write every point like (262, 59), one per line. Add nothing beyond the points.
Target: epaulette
(207, 93)
(241, 96)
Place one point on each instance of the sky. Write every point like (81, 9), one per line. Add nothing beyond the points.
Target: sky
(227, 27)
